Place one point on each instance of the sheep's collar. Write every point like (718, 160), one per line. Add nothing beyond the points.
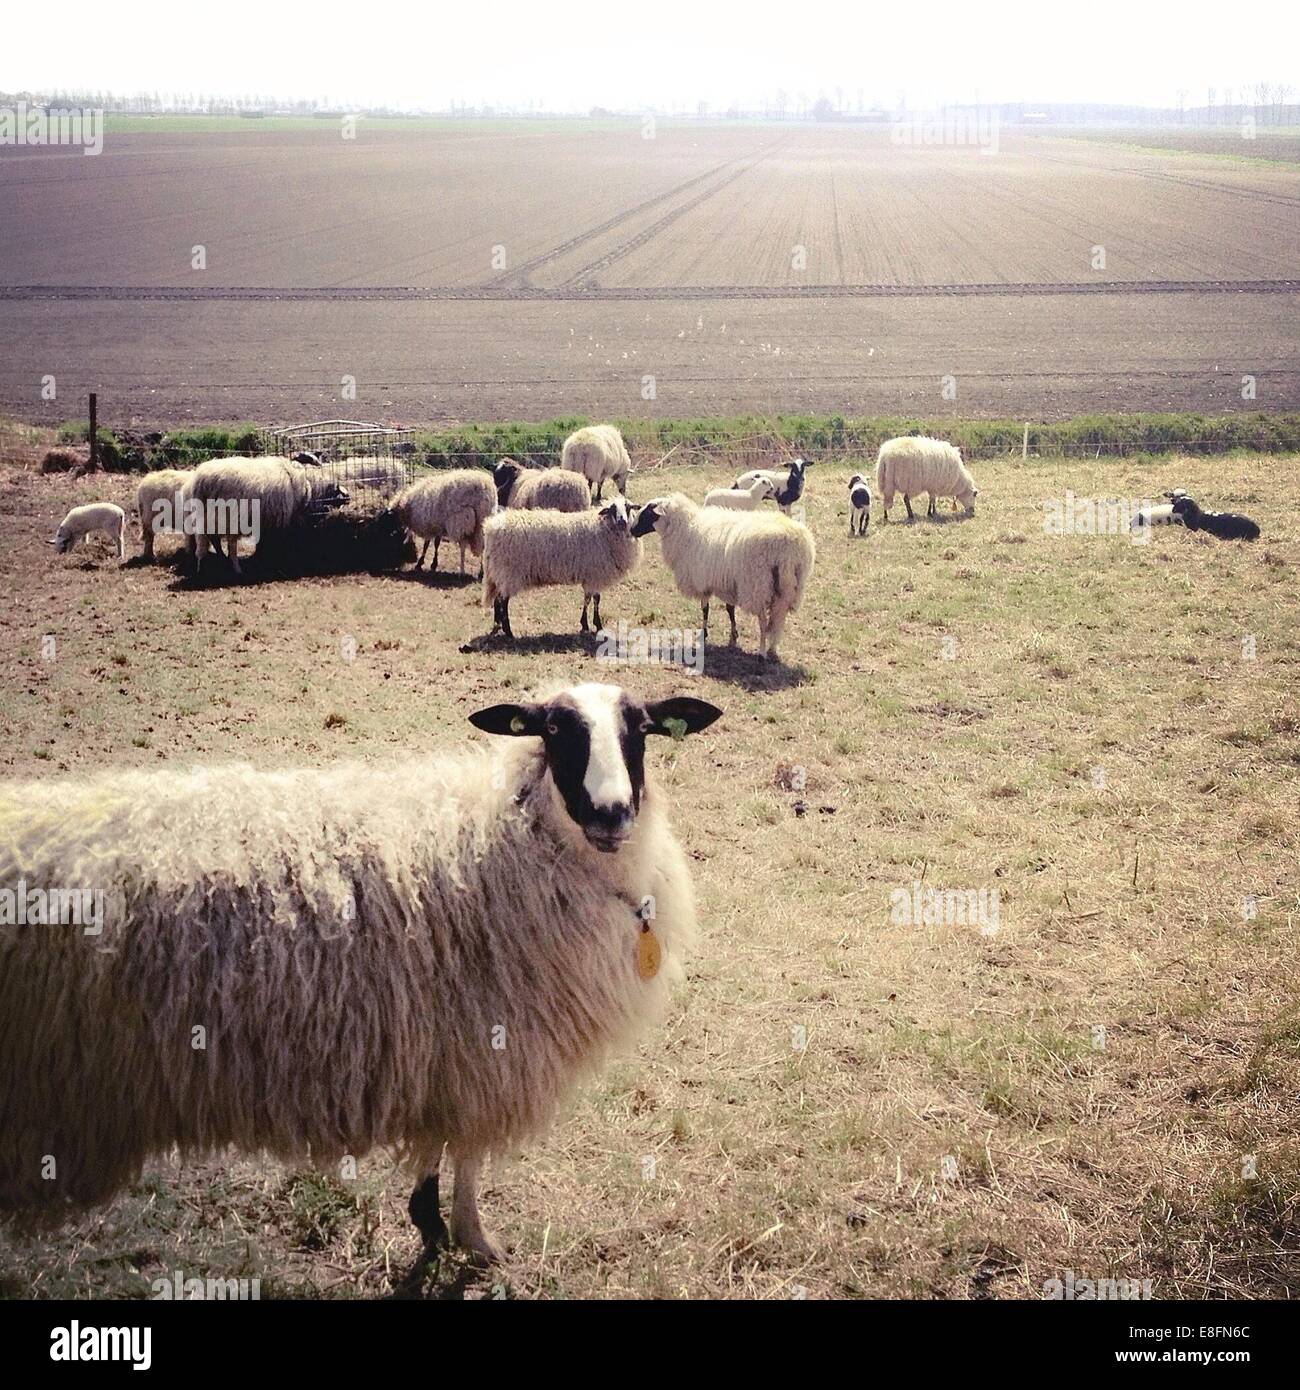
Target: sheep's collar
(648, 951)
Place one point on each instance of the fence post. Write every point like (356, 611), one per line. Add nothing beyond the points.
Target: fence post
(94, 443)
(1024, 443)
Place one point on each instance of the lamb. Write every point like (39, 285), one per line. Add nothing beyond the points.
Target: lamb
(450, 506)
(94, 516)
(787, 486)
(533, 549)
(552, 489)
(1158, 514)
(322, 962)
(160, 504)
(758, 562)
(598, 453)
(245, 496)
(860, 505)
(744, 499)
(914, 464)
(1227, 526)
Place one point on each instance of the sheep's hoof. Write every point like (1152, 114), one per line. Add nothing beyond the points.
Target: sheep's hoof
(480, 1250)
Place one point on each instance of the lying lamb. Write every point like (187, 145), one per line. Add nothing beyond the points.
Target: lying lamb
(419, 955)
(94, 516)
(1227, 526)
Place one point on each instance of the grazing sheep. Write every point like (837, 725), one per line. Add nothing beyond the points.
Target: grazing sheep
(533, 549)
(914, 464)
(548, 489)
(320, 962)
(860, 505)
(245, 497)
(1227, 526)
(744, 499)
(598, 453)
(756, 561)
(447, 507)
(94, 516)
(160, 504)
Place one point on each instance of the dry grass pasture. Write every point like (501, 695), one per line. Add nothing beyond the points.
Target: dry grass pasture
(482, 270)
(842, 1103)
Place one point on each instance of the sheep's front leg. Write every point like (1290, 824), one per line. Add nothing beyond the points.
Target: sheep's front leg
(466, 1228)
(599, 486)
(462, 557)
(907, 502)
(595, 612)
(704, 624)
(582, 626)
(735, 631)
(232, 544)
(426, 1215)
(419, 564)
(436, 544)
(501, 617)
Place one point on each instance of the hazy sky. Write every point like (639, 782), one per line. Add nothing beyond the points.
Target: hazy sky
(574, 54)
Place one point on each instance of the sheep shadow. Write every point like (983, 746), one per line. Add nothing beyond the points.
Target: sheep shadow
(443, 1279)
(736, 666)
(435, 579)
(551, 643)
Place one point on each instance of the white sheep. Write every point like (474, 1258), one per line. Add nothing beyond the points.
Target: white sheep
(449, 506)
(787, 486)
(533, 549)
(160, 504)
(741, 499)
(756, 561)
(234, 497)
(859, 505)
(424, 954)
(914, 464)
(598, 453)
(553, 489)
(107, 517)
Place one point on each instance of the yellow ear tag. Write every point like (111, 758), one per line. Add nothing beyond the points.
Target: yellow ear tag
(677, 728)
(649, 954)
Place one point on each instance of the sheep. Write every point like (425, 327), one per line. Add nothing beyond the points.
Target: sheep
(788, 495)
(741, 499)
(447, 507)
(756, 562)
(319, 962)
(534, 549)
(94, 516)
(859, 505)
(1158, 514)
(914, 464)
(551, 489)
(385, 476)
(1227, 526)
(245, 496)
(598, 453)
(160, 504)
(778, 477)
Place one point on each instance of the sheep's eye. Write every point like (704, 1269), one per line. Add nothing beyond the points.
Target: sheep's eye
(552, 727)
(646, 725)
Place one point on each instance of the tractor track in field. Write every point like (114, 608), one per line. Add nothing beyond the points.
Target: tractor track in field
(595, 294)
(1257, 195)
(518, 277)
(584, 279)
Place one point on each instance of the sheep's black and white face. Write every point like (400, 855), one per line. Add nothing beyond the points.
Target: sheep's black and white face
(594, 736)
(648, 517)
(616, 515)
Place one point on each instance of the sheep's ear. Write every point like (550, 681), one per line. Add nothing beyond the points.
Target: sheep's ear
(514, 720)
(681, 715)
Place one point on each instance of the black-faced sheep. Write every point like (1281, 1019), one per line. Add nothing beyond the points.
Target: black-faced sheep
(546, 489)
(419, 955)
(535, 549)
(757, 561)
(449, 506)
(598, 453)
(1227, 526)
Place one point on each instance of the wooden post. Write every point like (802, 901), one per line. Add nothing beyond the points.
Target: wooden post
(1024, 443)
(94, 444)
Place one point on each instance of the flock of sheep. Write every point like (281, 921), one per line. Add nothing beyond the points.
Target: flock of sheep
(538, 527)
(425, 956)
